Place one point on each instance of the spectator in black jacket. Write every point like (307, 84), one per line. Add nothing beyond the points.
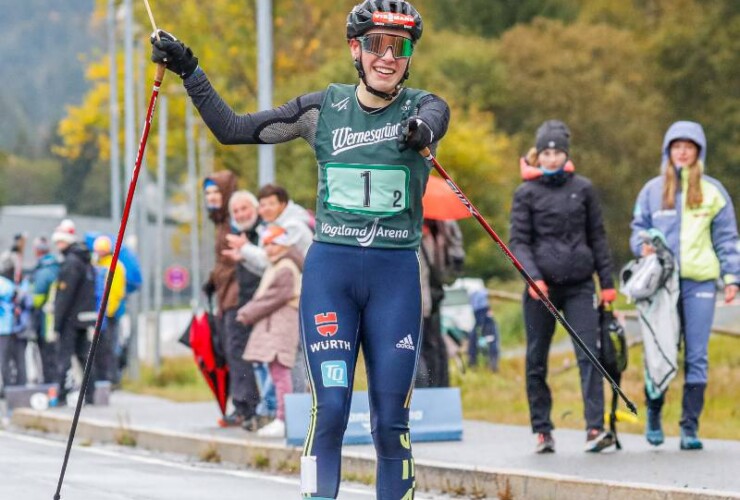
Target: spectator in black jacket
(558, 235)
(242, 207)
(74, 304)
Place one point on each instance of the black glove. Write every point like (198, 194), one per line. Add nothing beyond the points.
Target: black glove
(174, 54)
(414, 134)
(209, 288)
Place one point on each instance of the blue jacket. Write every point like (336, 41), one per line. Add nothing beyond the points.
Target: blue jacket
(479, 300)
(704, 240)
(7, 293)
(44, 274)
(23, 307)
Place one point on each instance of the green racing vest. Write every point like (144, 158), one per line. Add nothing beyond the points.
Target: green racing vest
(369, 192)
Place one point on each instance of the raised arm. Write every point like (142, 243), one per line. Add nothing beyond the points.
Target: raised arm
(294, 119)
(297, 118)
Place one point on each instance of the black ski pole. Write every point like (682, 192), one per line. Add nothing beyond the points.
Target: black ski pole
(426, 153)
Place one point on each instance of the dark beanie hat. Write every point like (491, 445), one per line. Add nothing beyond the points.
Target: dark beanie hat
(553, 134)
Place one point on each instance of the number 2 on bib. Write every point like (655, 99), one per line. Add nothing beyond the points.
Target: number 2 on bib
(367, 189)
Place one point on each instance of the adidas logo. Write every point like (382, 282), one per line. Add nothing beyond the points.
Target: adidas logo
(406, 343)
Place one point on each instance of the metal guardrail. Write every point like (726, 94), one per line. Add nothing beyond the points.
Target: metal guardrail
(627, 314)
(506, 296)
(726, 331)
(718, 330)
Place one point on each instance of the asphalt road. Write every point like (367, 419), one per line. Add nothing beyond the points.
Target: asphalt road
(29, 470)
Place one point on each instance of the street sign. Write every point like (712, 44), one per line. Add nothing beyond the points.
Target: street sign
(176, 278)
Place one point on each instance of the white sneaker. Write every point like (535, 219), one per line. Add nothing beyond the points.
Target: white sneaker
(275, 429)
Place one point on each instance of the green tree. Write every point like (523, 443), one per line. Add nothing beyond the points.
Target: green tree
(479, 159)
(27, 181)
(491, 19)
(617, 73)
(3, 170)
(82, 146)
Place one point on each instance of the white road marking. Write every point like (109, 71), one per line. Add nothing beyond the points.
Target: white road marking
(174, 465)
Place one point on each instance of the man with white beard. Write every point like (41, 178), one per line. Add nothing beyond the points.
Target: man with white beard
(243, 219)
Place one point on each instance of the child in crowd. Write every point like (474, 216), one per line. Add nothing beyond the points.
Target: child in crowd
(274, 313)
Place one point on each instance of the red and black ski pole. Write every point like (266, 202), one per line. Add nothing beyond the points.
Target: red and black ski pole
(426, 153)
(109, 281)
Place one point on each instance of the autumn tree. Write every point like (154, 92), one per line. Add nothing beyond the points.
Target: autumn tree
(617, 72)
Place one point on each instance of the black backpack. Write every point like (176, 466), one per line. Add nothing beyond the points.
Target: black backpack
(614, 357)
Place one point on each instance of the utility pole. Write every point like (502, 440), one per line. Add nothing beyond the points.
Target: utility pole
(160, 242)
(115, 172)
(264, 85)
(129, 152)
(142, 212)
(205, 168)
(192, 184)
(128, 89)
(141, 222)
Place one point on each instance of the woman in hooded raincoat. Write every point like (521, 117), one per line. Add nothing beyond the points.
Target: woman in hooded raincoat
(695, 214)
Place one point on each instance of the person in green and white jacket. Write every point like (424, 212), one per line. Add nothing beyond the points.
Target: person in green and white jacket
(695, 214)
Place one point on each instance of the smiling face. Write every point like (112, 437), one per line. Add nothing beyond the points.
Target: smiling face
(551, 159)
(683, 153)
(243, 211)
(270, 208)
(384, 72)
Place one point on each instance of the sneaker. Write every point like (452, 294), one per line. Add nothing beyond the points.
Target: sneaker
(654, 430)
(231, 420)
(690, 441)
(275, 429)
(250, 424)
(598, 440)
(263, 420)
(545, 443)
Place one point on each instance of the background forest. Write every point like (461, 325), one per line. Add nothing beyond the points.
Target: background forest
(617, 71)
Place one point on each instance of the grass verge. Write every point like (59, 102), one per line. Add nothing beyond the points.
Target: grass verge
(501, 397)
(178, 380)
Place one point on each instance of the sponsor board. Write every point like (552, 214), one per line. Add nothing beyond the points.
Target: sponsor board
(435, 415)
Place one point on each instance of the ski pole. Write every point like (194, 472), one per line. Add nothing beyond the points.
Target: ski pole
(159, 76)
(426, 153)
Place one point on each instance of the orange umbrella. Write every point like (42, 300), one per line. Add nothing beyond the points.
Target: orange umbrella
(441, 203)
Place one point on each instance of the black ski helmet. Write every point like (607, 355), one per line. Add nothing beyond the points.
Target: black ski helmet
(370, 14)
